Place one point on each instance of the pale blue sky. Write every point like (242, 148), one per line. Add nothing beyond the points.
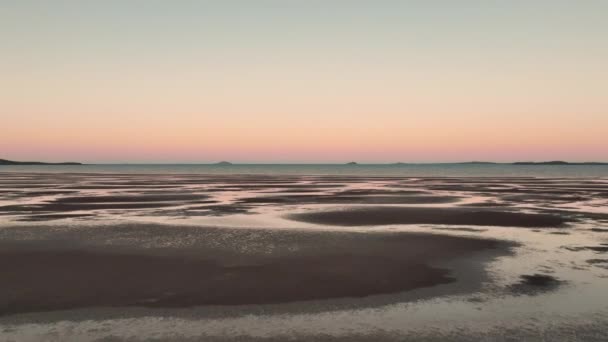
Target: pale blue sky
(192, 80)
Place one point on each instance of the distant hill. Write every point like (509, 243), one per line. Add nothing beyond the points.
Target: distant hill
(553, 162)
(459, 163)
(557, 162)
(12, 162)
(352, 163)
(223, 163)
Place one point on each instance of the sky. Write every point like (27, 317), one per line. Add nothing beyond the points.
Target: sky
(303, 81)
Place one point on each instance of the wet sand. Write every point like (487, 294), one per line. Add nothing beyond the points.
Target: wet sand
(46, 194)
(284, 266)
(349, 199)
(369, 216)
(87, 257)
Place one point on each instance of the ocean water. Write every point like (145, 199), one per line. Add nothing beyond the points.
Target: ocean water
(409, 170)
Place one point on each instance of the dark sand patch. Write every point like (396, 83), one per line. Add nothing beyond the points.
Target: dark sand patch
(132, 198)
(599, 249)
(461, 229)
(78, 203)
(546, 198)
(279, 186)
(117, 187)
(518, 194)
(531, 284)
(163, 266)
(351, 179)
(575, 214)
(603, 248)
(45, 193)
(208, 210)
(299, 190)
(366, 192)
(66, 207)
(338, 199)
(486, 204)
(574, 248)
(51, 217)
(603, 263)
(599, 230)
(28, 186)
(367, 216)
(62, 280)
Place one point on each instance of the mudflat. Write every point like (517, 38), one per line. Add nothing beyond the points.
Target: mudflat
(209, 267)
(149, 256)
(364, 216)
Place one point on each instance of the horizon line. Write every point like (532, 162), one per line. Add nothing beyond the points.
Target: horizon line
(352, 162)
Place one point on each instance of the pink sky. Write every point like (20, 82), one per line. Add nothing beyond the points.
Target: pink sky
(383, 83)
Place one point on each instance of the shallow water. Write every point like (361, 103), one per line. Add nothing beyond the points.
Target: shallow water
(493, 303)
(410, 170)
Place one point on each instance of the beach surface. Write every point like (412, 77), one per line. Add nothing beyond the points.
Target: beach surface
(88, 257)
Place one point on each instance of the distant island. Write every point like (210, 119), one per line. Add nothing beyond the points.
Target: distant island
(557, 162)
(458, 163)
(227, 163)
(12, 162)
(554, 162)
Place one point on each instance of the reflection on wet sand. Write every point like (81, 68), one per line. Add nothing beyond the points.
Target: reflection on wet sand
(396, 253)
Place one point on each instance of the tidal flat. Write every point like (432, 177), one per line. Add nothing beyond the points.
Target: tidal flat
(189, 257)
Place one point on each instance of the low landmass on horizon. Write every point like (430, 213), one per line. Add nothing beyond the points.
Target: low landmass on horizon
(226, 163)
(12, 162)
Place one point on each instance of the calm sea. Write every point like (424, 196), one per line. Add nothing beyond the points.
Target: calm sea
(410, 170)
